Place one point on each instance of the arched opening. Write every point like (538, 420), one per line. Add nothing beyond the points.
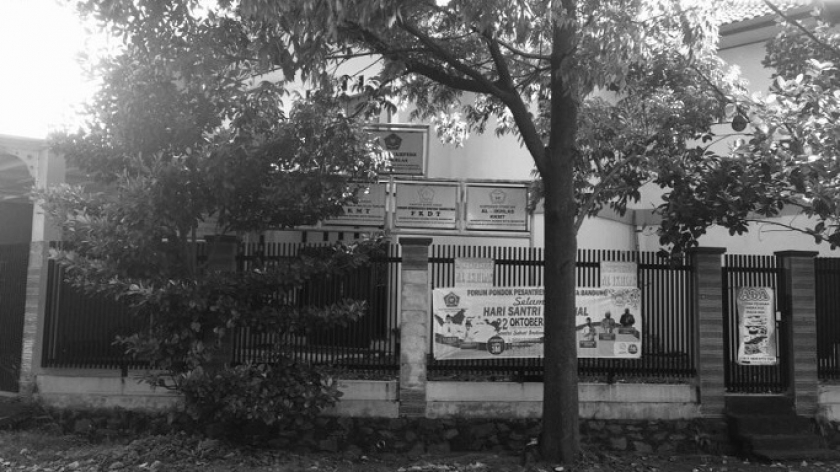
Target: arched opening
(15, 206)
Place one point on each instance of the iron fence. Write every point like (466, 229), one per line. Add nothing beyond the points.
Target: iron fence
(80, 328)
(667, 312)
(827, 278)
(14, 260)
(369, 345)
(751, 271)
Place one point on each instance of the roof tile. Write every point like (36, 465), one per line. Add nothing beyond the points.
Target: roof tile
(734, 11)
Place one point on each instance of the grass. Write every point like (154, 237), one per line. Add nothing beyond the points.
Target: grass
(45, 450)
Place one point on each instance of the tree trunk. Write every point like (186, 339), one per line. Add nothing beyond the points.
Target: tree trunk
(561, 435)
(561, 430)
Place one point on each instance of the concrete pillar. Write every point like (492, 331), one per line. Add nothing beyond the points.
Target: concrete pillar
(415, 311)
(707, 282)
(798, 306)
(46, 168)
(33, 318)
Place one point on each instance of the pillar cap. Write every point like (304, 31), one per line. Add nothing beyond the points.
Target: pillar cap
(414, 241)
(796, 253)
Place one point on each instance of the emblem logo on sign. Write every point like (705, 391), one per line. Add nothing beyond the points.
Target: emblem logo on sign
(427, 195)
(451, 300)
(392, 142)
(497, 197)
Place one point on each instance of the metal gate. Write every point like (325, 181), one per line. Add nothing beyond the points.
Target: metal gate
(752, 271)
(14, 260)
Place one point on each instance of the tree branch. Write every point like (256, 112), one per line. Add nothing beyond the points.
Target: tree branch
(525, 54)
(453, 61)
(790, 20)
(434, 73)
(589, 203)
(787, 227)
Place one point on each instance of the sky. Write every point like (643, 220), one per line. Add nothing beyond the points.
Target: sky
(41, 82)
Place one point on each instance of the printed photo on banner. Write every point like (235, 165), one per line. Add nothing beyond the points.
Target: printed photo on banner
(609, 322)
(501, 322)
(756, 326)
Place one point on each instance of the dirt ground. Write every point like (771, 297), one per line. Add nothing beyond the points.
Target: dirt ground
(43, 451)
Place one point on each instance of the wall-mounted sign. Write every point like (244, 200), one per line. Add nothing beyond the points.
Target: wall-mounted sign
(407, 149)
(619, 274)
(426, 206)
(756, 326)
(472, 272)
(369, 211)
(497, 208)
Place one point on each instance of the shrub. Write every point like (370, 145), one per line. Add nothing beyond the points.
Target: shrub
(285, 394)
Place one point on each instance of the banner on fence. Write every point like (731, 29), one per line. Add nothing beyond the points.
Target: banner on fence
(474, 272)
(619, 274)
(756, 326)
(507, 322)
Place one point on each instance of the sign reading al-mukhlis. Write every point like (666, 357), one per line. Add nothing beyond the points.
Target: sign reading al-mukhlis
(497, 208)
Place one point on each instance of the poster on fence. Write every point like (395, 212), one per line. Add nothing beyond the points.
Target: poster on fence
(507, 322)
(756, 326)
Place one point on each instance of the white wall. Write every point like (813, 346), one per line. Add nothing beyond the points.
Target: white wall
(595, 233)
(482, 157)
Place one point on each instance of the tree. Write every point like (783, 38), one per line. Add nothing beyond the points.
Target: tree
(787, 155)
(526, 67)
(177, 140)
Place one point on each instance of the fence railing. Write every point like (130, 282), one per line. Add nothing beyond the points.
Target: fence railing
(80, 328)
(369, 345)
(827, 275)
(751, 271)
(14, 260)
(667, 314)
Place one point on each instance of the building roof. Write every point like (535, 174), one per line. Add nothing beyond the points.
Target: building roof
(737, 11)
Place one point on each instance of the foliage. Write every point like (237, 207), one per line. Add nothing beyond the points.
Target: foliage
(285, 394)
(189, 316)
(786, 158)
(183, 137)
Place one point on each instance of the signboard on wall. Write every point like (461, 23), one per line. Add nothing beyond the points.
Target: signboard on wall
(756, 326)
(497, 208)
(369, 211)
(407, 149)
(508, 322)
(426, 206)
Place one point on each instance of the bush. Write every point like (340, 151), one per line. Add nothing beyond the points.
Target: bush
(285, 394)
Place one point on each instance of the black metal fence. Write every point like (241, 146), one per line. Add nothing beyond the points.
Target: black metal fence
(827, 274)
(80, 328)
(14, 259)
(751, 271)
(667, 313)
(369, 345)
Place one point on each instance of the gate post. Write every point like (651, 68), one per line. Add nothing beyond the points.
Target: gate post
(707, 284)
(33, 320)
(799, 307)
(415, 311)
